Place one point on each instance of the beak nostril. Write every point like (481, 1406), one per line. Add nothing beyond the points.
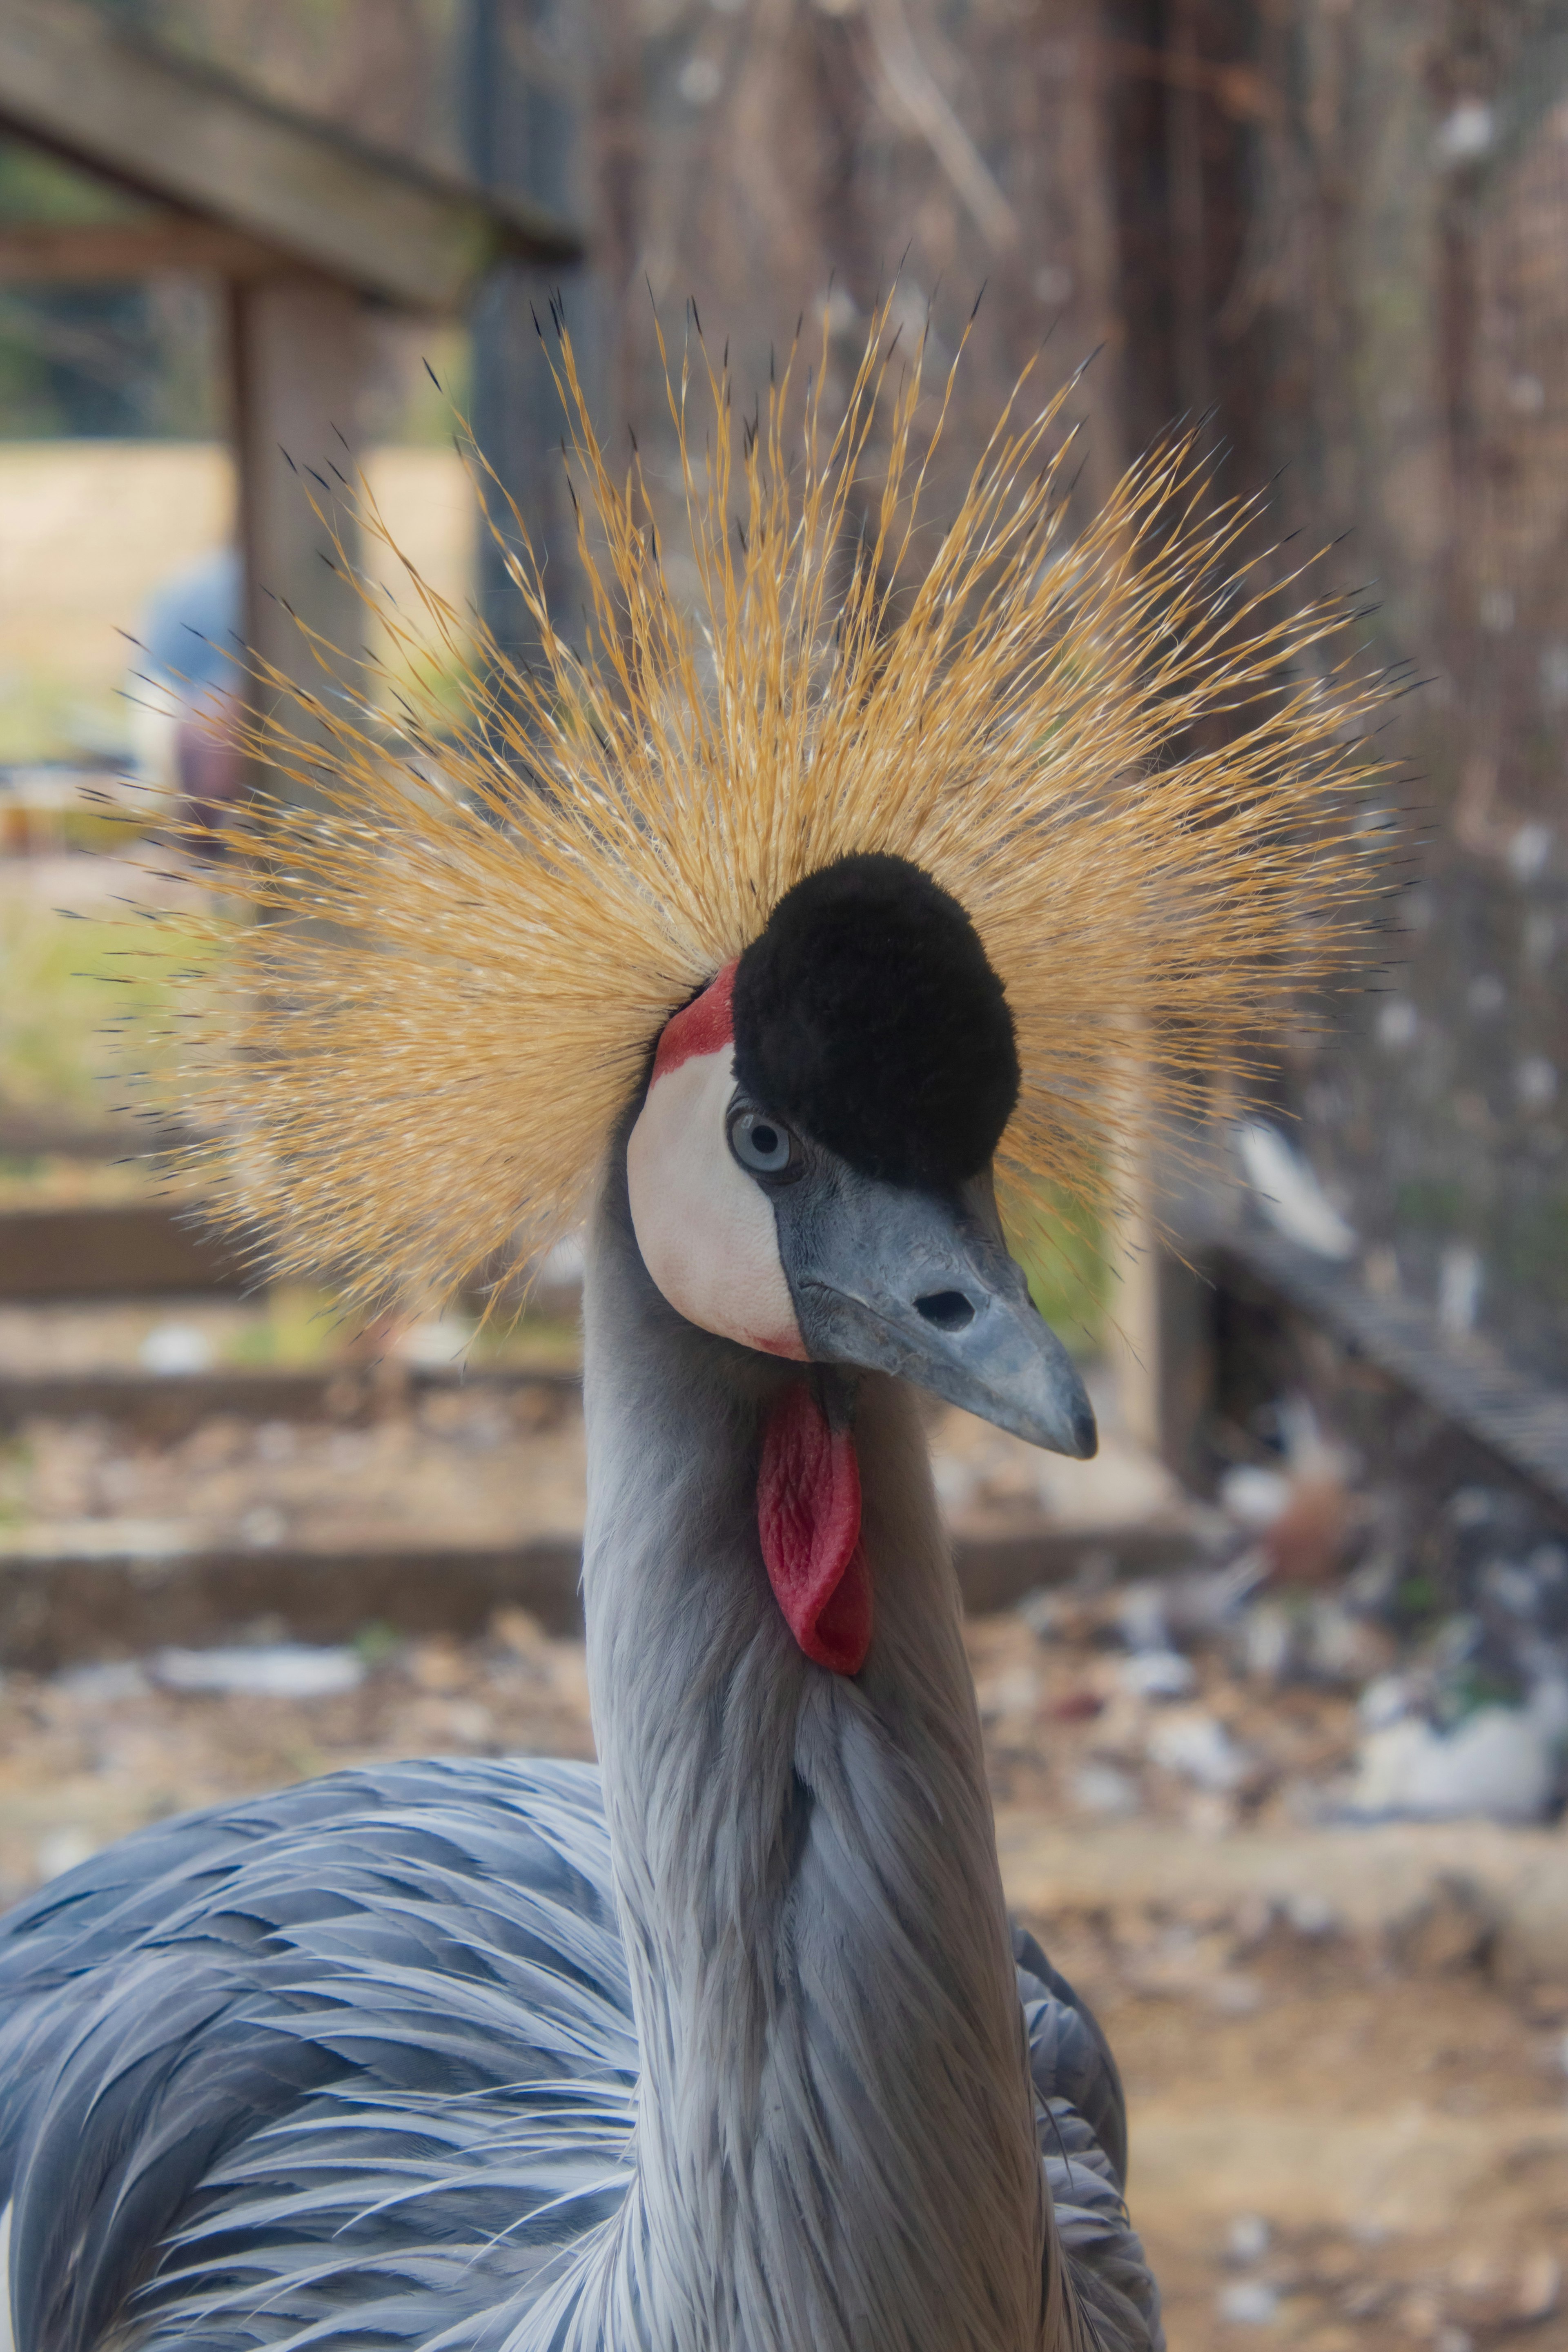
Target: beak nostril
(948, 1310)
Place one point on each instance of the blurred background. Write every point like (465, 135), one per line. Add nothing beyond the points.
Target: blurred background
(1276, 1692)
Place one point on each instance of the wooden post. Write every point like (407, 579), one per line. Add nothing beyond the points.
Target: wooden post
(297, 356)
(520, 134)
(1132, 1333)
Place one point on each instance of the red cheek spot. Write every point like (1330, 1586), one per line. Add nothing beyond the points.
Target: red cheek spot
(809, 1517)
(707, 1023)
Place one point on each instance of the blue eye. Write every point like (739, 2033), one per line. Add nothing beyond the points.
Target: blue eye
(763, 1146)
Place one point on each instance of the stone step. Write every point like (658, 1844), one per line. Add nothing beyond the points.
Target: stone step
(96, 1588)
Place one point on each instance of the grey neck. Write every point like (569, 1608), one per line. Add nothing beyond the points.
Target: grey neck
(835, 2143)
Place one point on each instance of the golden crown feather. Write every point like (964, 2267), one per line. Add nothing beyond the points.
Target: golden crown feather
(1136, 755)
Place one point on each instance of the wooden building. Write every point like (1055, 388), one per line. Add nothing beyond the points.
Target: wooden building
(1340, 228)
(308, 229)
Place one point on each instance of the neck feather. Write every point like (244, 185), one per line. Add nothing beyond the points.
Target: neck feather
(835, 2143)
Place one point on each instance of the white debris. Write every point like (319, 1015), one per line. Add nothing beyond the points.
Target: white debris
(1014, 1691)
(172, 1348)
(1288, 1192)
(437, 1341)
(1254, 1496)
(1317, 1640)
(1268, 1642)
(1466, 132)
(954, 1480)
(470, 1722)
(1535, 1082)
(1157, 1674)
(1101, 1789)
(1397, 1024)
(1248, 2303)
(1313, 1916)
(566, 1262)
(1249, 2239)
(700, 81)
(1499, 1763)
(1386, 1699)
(1530, 846)
(1164, 1613)
(101, 1685)
(1459, 1273)
(1198, 1748)
(271, 1670)
(1141, 1617)
(63, 1849)
(1548, 1709)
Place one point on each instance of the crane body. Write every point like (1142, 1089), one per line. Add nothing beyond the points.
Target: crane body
(810, 940)
(724, 2045)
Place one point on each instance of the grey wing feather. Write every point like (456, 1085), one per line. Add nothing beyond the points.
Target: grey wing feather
(1081, 2116)
(365, 2047)
(365, 2051)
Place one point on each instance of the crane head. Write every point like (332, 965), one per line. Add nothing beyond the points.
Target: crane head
(810, 1171)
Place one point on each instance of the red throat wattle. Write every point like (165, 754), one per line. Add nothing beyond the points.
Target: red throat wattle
(809, 1517)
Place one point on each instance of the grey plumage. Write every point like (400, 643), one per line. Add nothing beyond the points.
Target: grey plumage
(404, 2058)
(362, 2047)
(400, 2101)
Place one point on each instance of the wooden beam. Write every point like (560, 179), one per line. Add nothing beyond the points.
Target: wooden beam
(186, 135)
(1460, 1378)
(134, 1249)
(107, 1591)
(80, 252)
(105, 1598)
(167, 1406)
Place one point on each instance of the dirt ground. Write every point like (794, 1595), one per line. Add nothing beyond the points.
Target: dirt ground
(463, 1463)
(1339, 2140)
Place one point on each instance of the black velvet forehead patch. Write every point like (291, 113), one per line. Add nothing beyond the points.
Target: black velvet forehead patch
(868, 1016)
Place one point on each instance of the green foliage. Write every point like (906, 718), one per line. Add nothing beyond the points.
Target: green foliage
(1532, 1249)
(1069, 1274)
(1418, 1598)
(35, 186)
(63, 983)
(1430, 1204)
(15, 1467)
(378, 1644)
(299, 1328)
(1472, 1690)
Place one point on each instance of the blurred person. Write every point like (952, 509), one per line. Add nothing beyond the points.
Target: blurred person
(186, 696)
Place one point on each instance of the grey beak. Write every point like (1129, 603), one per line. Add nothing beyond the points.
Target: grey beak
(913, 1283)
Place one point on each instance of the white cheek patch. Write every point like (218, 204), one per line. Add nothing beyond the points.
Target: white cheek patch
(705, 1229)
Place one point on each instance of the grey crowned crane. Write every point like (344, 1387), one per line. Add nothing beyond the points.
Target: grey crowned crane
(814, 945)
